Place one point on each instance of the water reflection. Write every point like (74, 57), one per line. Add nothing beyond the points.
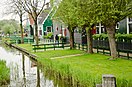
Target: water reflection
(23, 68)
(23, 71)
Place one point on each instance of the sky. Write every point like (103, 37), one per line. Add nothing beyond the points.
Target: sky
(3, 8)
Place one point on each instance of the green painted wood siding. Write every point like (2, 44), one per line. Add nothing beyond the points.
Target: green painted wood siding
(48, 22)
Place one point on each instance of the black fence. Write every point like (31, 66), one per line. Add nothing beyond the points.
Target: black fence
(81, 46)
(124, 46)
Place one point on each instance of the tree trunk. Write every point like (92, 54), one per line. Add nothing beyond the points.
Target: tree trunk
(89, 41)
(22, 39)
(71, 31)
(112, 43)
(36, 31)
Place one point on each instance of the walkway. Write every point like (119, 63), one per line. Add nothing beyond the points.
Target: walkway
(67, 56)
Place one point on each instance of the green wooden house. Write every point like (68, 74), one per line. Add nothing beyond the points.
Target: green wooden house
(45, 23)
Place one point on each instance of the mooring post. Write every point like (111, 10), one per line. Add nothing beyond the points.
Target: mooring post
(98, 85)
(108, 81)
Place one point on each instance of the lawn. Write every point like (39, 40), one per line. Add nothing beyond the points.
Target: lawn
(86, 68)
(4, 73)
(50, 53)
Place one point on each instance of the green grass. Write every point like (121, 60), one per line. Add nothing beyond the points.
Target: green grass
(87, 68)
(50, 53)
(4, 73)
(26, 46)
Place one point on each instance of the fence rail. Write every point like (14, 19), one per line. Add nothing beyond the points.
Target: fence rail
(122, 46)
(49, 46)
(102, 46)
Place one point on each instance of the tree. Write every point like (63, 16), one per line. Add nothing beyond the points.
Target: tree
(66, 13)
(86, 15)
(15, 24)
(9, 26)
(8, 29)
(34, 8)
(15, 7)
(109, 13)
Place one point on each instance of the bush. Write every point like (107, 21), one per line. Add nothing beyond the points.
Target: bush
(119, 37)
(49, 36)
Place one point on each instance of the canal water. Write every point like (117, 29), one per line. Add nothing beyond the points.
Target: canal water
(24, 72)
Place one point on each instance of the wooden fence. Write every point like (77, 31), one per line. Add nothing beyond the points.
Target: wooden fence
(124, 48)
(46, 46)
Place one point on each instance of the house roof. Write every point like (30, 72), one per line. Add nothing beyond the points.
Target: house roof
(43, 15)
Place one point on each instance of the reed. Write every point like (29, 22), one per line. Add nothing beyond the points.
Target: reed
(85, 70)
(4, 73)
(77, 74)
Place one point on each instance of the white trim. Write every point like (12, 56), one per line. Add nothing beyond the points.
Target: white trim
(127, 25)
(47, 15)
(118, 25)
(100, 28)
(130, 22)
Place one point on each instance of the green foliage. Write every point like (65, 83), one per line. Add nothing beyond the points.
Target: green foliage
(4, 73)
(119, 37)
(66, 12)
(113, 11)
(9, 26)
(77, 12)
(49, 35)
(86, 12)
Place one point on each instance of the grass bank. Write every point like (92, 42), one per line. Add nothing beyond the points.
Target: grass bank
(85, 70)
(4, 73)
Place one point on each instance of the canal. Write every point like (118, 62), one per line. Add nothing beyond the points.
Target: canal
(24, 72)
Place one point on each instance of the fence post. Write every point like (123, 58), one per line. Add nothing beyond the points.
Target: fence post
(82, 46)
(79, 46)
(63, 45)
(108, 81)
(97, 49)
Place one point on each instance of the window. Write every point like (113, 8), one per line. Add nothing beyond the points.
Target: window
(49, 29)
(97, 30)
(117, 25)
(40, 32)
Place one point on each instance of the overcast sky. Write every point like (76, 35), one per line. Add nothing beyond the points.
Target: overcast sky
(3, 8)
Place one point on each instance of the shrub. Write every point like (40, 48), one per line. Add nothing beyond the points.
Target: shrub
(49, 36)
(119, 37)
